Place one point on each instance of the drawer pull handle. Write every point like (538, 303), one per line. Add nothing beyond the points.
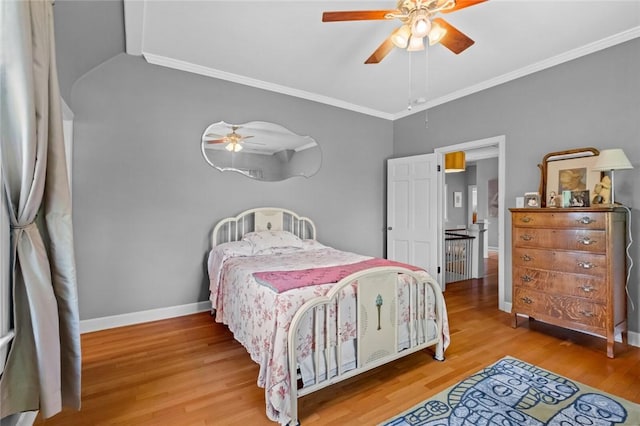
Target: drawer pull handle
(526, 300)
(586, 220)
(526, 258)
(527, 237)
(526, 278)
(586, 288)
(586, 265)
(587, 241)
(526, 219)
(587, 313)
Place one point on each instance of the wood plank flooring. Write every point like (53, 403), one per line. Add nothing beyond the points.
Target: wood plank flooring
(190, 371)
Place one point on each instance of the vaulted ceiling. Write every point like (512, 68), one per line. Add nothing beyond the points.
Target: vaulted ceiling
(285, 47)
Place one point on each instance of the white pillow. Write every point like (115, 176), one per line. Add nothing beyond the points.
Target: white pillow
(273, 242)
(234, 249)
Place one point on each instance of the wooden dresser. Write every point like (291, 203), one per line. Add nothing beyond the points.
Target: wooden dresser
(569, 268)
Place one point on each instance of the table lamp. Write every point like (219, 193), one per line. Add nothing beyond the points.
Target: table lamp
(611, 160)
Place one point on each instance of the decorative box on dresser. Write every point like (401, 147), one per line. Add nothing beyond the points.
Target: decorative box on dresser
(569, 268)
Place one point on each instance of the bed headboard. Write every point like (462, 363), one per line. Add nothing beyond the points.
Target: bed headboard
(262, 219)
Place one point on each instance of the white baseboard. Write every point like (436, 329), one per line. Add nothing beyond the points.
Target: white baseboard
(96, 324)
(26, 418)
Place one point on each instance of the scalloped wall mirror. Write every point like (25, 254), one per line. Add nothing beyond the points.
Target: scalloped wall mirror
(260, 150)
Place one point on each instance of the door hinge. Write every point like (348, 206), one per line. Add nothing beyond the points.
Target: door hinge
(439, 167)
(438, 269)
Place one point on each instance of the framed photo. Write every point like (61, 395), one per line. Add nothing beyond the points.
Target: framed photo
(457, 199)
(570, 170)
(579, 199)
(531, 199)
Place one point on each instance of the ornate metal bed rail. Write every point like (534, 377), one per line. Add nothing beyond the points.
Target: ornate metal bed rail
(262, 219)
(381, 318)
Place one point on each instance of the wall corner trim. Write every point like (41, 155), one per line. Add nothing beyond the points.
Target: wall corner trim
(104, 323)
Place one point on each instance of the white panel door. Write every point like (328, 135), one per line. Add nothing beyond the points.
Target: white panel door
(412, 209)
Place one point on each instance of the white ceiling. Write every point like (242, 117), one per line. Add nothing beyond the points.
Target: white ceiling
(284, 46)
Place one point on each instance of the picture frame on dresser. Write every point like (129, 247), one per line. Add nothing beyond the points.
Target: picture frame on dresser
(531, 199)
(569, 170)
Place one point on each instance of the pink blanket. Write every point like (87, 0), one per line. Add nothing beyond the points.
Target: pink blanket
(281, 281)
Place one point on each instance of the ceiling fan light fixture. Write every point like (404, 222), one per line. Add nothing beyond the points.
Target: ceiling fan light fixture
(436, 33)
(400, 37)
(421, 25)
(415, 44)
(233, 147)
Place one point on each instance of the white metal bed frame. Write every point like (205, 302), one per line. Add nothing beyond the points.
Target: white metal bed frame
(376, 291)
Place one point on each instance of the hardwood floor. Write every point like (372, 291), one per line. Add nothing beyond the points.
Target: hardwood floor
(190, 371)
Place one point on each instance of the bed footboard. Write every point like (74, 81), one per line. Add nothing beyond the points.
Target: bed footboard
(366, 320)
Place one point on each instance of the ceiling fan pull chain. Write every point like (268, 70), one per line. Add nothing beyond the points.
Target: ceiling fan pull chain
(409, 106)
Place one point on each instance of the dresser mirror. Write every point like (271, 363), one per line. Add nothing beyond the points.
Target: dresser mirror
(260, 150)
(567, 170)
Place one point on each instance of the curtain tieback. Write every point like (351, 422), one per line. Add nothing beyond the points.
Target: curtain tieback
(22, 226)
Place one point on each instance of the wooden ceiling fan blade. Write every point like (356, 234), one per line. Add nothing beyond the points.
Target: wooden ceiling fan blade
(454, 40)
(461, 4)
(381, 52)
(356, 15)
(245, 137)
(217, 141)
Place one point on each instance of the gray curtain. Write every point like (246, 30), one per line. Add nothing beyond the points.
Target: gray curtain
(43, 366)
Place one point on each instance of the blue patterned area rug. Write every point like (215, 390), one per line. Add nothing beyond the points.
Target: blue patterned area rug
(512, 392)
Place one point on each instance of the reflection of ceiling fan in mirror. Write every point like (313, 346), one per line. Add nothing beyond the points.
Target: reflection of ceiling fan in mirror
(233, 140)
(417, 23)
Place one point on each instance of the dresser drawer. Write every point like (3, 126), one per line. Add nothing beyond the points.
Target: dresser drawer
(566, 239)
(561, 219)
(563, 309)
(552, 282)
(562, 261)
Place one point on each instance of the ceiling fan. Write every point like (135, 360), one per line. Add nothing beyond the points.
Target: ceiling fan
(233, 139)
(417, 23)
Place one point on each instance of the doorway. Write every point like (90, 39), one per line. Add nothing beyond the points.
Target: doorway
(483, 148)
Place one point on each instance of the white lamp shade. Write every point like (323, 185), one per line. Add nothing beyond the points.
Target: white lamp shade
(612, 159)
(421, 25)
(415, 44)
(400, 37)
(436, 34)
(234, 147)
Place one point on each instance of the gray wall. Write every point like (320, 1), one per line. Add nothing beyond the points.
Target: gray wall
(456, 216)
(485, 171)
(87, 34)
(590, 101)
(145, 200)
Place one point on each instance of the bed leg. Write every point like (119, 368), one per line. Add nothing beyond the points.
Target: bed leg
(439, 355)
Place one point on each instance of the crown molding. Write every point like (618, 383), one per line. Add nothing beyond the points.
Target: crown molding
(260, 84)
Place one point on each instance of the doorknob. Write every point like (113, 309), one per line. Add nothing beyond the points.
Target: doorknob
(389, 228)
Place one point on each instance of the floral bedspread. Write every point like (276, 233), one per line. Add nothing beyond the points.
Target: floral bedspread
(259, 317)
